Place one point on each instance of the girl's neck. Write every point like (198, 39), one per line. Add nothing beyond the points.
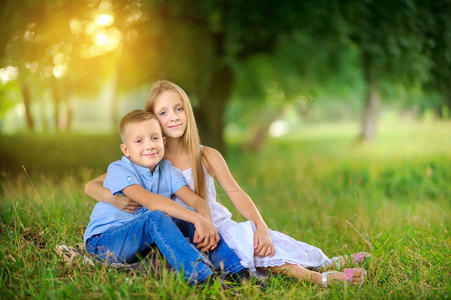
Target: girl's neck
(175, 146)
(177, 154)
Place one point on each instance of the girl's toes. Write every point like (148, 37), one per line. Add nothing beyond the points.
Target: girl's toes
(355, 276)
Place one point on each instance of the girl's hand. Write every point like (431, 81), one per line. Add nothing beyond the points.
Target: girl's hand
(124, 203)
(206, 237)
(263, 245)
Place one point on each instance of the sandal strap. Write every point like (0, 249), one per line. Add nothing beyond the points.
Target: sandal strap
(348, 275)
(324, 278)
(358, 258)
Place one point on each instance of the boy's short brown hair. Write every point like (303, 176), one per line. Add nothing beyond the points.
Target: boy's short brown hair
(135, 116)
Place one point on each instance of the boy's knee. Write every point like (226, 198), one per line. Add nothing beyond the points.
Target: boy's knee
(158, 216)
(157, 213)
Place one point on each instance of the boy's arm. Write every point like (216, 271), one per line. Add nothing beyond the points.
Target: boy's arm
(206, 235)
(194, 201)
(96, 190)
(263, 245)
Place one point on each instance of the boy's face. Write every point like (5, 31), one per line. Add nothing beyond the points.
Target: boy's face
(144, 143)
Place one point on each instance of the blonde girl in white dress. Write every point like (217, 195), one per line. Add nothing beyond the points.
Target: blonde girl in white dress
(257, 246)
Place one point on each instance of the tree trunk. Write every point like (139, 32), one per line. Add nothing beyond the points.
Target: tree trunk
(370, 113)
(45, 125)
(371, 109)
(70, 111)
(57, 104)
(115, 97)
(261, 134)
(27, 102)
(445, 108)
(210, 113)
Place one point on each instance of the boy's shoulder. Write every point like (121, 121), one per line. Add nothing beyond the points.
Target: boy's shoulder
(165, 166)
(165, 163)
(123, 162)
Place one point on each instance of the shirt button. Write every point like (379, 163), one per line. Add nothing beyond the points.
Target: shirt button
(155, 181)
(129, 178)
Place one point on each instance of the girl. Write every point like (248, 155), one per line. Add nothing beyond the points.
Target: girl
(257, 246)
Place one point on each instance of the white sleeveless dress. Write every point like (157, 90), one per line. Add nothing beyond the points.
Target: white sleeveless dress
(240, 236)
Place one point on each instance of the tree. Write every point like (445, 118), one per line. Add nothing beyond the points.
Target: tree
(205, 45)
(437, 28)
(202, 44)
(389, 37)
(38, 42)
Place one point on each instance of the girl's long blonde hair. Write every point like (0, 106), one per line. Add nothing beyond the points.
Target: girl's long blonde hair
(190, 137)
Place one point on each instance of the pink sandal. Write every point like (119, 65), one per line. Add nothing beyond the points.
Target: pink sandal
(356, 258)
(348, 276)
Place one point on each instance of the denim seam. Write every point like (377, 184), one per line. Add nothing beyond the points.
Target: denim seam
(236, 267)
(202, 273)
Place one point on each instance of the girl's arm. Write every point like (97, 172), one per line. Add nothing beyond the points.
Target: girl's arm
(263, 245)
(194, 201)
(199, 205)
(95, 189)
(206, 233)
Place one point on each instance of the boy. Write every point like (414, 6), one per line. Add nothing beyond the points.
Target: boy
(143, 176)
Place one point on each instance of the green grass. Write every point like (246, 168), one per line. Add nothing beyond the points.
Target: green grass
(391, 198)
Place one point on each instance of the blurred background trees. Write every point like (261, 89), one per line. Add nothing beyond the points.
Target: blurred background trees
(245, 64)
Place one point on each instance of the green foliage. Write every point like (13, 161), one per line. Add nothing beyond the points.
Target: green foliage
(240, 50)
(57, 154)
(9, 96)
(390, 199)
(390, 34)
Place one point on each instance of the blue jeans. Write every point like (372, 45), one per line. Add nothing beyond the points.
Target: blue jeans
(125, 243)
(221, 257)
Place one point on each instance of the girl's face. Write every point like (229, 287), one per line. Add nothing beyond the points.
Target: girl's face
(170, 112)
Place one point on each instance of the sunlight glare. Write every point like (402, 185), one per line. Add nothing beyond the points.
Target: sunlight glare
(32, 66)
(278, 128)
(104, 19)
(109, 40)
(134, 16)
(12, 71)
(94, 51)
(58, 58)
(4, 77)
(59, 70)
(55, 49)
(101, 38)
(92, 28)
(20, 109)
(8, 73)
(75, 26)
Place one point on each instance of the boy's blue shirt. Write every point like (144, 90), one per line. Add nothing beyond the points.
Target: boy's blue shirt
(165, 181)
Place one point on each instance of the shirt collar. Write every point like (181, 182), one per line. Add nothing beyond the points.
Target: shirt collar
(142, 170)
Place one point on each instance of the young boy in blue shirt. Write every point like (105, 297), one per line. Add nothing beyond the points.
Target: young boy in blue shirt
(144, 176)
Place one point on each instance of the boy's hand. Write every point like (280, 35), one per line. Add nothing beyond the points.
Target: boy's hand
(125, 204)
(263, 245)
(206, 237)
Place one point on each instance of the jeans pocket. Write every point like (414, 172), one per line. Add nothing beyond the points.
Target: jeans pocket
(91, 243)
